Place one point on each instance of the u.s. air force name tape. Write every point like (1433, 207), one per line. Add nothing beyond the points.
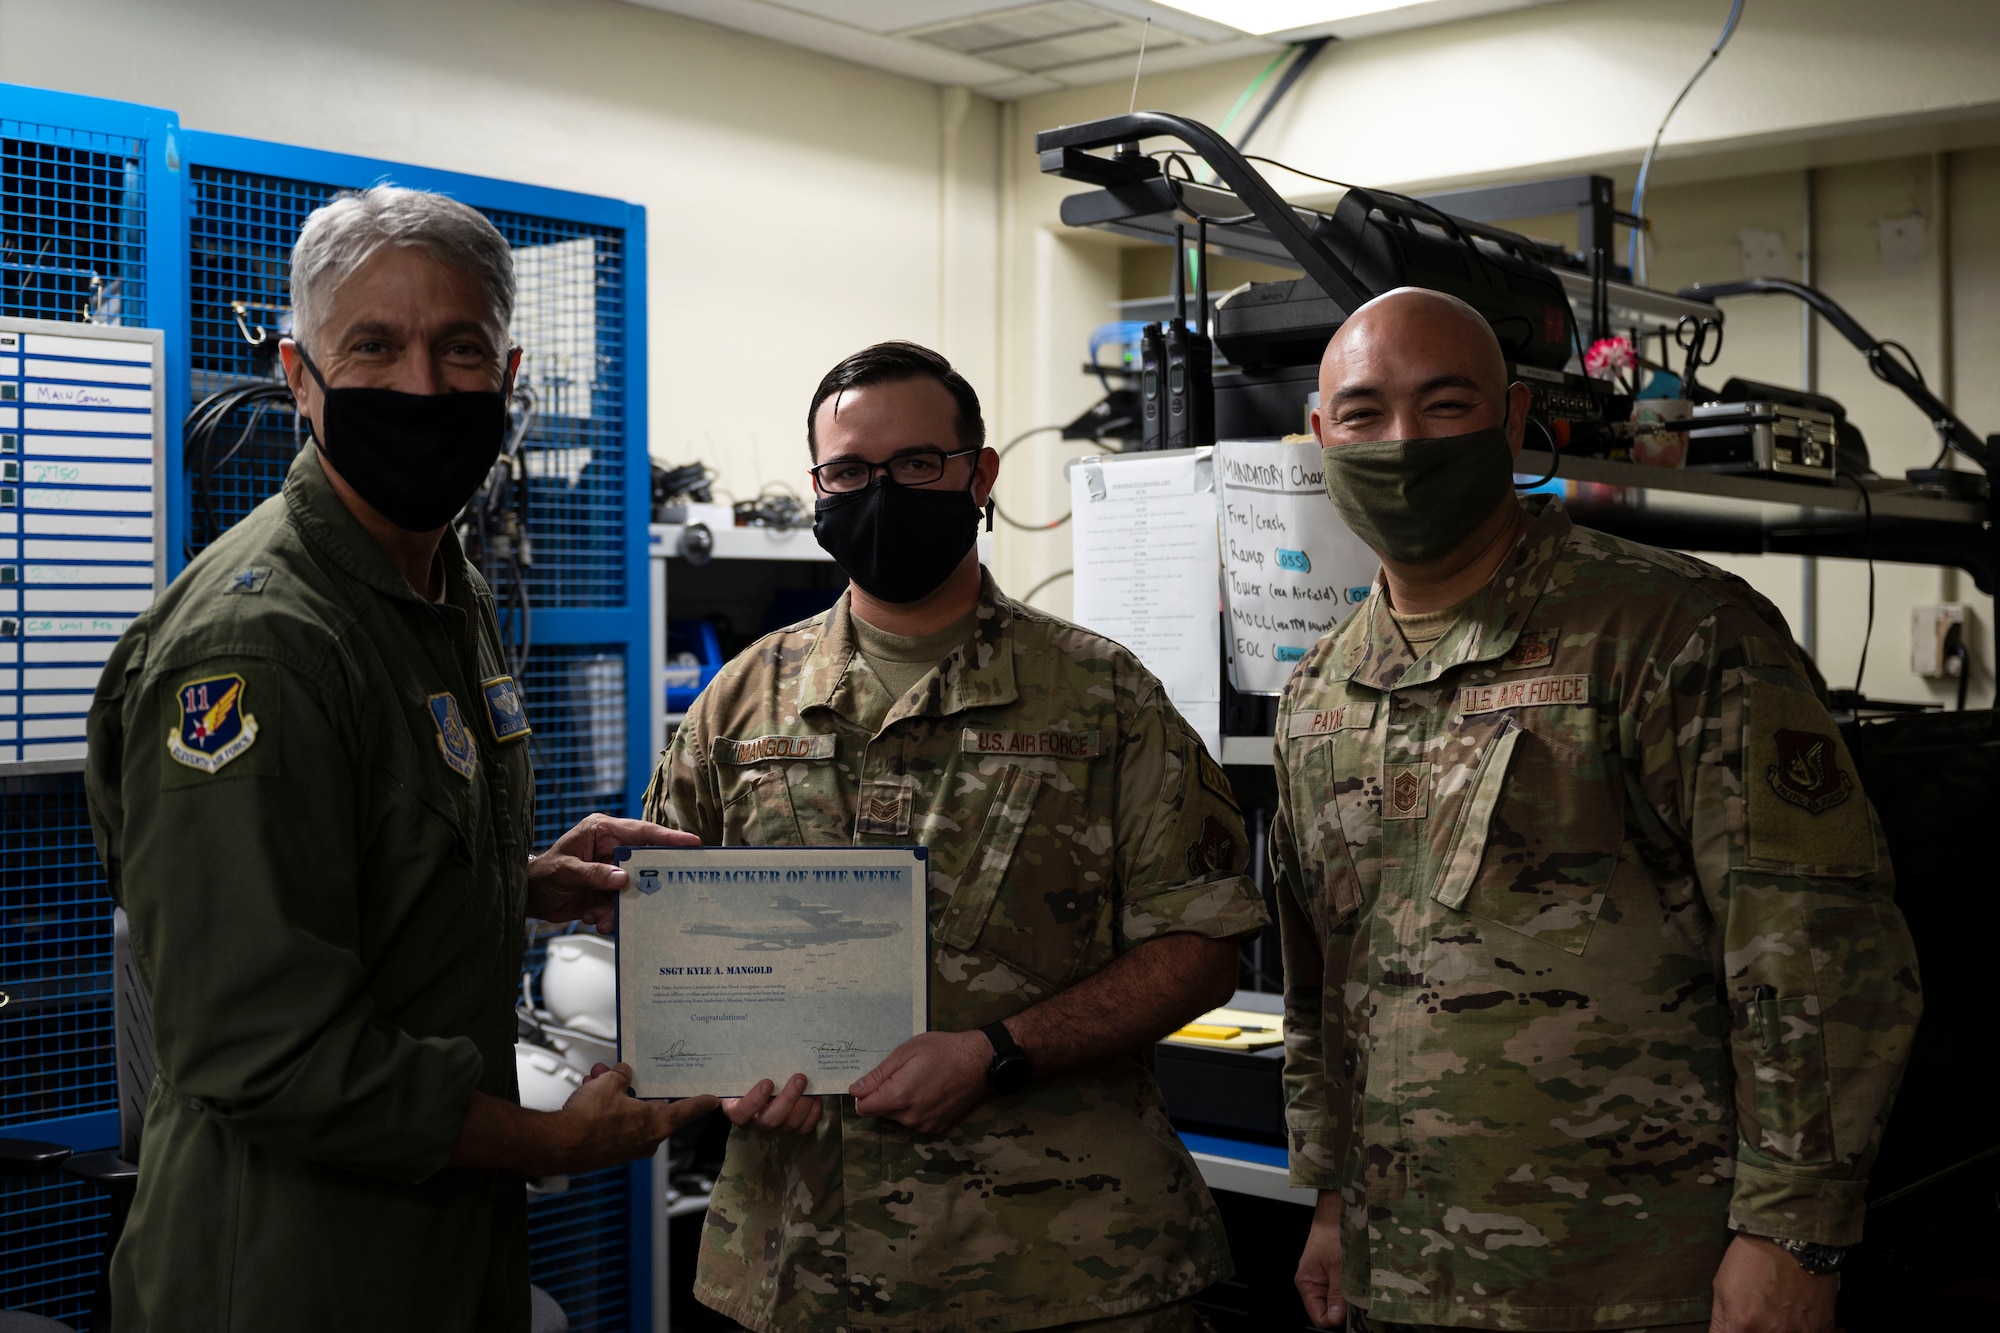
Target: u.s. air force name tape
(1524, 694)
(1060, 744)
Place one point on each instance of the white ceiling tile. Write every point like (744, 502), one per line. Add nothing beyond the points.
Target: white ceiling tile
(1027, 85)
(894, 54)
(887, 16)
(1086, 40)
(1162, 62)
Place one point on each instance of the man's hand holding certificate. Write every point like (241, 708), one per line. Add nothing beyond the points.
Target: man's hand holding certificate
(737, 965)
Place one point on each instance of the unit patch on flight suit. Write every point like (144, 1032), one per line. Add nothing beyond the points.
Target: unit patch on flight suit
(504, 712)
(214, 728)
(454, 737)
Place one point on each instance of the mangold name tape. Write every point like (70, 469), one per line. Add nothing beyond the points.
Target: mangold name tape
(1060, 744)
(772, 747)
(1524, 694)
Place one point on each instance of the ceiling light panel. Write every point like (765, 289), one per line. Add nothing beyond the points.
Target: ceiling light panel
(1268, 16)
(1037, 38)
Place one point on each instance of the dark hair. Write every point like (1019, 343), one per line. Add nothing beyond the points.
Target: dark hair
(892, 363)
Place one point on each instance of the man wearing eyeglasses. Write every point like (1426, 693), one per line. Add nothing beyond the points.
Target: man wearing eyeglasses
(1012, 1168)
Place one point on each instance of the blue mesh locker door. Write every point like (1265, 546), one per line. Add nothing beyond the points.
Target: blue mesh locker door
(89, 230)
(580, 318)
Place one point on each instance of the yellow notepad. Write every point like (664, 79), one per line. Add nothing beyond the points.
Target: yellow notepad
(1232, 1030)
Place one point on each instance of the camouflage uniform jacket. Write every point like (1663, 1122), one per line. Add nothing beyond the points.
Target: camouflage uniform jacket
(1590, 949)
(1071, 815)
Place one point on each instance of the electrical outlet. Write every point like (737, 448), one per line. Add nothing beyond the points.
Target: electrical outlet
(1929, 627)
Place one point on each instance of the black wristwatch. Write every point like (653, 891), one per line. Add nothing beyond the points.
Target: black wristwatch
(1011, 1068)
(1819, 1260)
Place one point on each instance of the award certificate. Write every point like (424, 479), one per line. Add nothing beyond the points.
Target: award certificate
(737, 964)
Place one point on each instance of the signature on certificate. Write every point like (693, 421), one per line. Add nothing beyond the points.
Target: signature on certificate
(679, 1054)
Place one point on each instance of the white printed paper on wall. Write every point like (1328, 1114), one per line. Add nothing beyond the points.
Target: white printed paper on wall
(1291, 569)
(1144, 551)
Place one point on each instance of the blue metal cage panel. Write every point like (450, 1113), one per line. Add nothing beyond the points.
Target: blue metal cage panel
(575, 694)
(240, 229)
(55, 955)
(51, 1234)
(569, 316)
(90, 219)
(72, 224)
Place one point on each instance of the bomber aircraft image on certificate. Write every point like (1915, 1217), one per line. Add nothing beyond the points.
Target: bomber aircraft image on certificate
(743, 963)
(815, 924)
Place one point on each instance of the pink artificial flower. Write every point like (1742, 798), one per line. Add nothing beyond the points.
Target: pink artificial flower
(1608, 356)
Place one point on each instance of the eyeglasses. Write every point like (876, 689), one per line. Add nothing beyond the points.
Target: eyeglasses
(919, 467)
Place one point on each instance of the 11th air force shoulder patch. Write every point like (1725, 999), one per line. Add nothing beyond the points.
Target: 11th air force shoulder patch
(214, 728)
(504, 712)
(454, 738)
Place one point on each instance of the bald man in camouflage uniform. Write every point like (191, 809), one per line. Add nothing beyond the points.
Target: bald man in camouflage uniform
(1596, 994)
(1086, 894)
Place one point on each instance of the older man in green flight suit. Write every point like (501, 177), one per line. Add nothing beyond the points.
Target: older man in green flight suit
(310, 785)
(1596, 993)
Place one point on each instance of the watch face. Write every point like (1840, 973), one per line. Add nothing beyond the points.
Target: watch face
(1009, 1073)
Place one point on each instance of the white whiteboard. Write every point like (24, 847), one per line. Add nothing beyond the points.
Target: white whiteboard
(1291, 569)
(82, 521)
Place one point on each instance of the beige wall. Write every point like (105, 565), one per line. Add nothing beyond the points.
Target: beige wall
(798, 206)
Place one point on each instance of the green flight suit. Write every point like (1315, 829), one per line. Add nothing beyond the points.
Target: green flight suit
(314, 800)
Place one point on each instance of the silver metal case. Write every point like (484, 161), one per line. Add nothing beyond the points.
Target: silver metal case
(1790, 441)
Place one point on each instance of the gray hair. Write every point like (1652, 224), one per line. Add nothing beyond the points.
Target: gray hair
(344, 233)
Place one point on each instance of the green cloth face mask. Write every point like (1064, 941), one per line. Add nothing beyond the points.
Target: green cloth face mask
(1414, 501)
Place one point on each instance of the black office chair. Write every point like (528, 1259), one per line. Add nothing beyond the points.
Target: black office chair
(116, 1171)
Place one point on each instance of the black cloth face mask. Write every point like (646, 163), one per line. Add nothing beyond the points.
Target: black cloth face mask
(416, 457)
(898, 543)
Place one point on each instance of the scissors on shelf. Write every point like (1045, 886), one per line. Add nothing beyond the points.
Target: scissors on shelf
(1701, 338)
